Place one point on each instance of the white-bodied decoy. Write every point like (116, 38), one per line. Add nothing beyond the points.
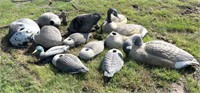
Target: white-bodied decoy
(112, 62)
(91, 49)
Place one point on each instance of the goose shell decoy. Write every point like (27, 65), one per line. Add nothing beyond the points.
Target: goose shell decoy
(49, 18)
(84, 23)
(112, 62)
(76, 39)
(109, 26)
(69, 63)
(119, 19)
(51, 52)
(130, 29)
(158, 53)
(91, 50)
(115, 40)
(49, 36)
(20, 31)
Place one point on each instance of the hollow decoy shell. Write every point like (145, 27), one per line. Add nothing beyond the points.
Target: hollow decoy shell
(69, 63)
(84, 23)
(76, 39)
(21, 31)
(112, 62)
(49, 18)
(91, 49)
(49, 36)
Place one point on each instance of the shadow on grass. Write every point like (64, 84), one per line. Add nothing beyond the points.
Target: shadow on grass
(6, 45)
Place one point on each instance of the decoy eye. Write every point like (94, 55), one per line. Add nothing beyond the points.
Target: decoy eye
(86, 49)
(114, 34)
(114, 51)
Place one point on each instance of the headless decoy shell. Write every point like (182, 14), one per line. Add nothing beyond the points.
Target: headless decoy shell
(115, 40)
(91, 50)
(84, 23)
(158, 53)
(49, 36)
(76, 39)
(112, 62)
(49, 18)
(69, 63)
(20, 31)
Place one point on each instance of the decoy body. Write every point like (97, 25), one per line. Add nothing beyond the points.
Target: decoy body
(84, 23)
(50, 52)
(49, 18)
(69, 63)
(76, 39)
(112, 62)
(115, 40)
(158, 53)
(20, 31)
(49, 36)
(122, 28)
(91, 50)
(130, 29)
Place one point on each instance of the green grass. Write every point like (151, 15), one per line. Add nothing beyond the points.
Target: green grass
(162, 18)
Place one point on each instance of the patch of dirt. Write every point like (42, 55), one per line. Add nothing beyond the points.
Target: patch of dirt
(165, 39)
(178, 87)
(189, 10)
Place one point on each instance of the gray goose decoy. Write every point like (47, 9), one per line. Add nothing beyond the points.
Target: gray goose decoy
(123, 29)
(76, 39)
(50, 52)
(130, 29)
(115, 40)
(83, 23)
(91, 50)
(49, 36)
(112, 62)
(69, 63)
(158, 53)
(21, 30)
(49, 18)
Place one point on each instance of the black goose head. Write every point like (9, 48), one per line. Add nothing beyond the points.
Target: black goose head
(134, 39)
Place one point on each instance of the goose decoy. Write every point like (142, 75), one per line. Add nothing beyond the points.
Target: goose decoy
(123, 29)
(158, 53)
(130, 29)
(50, 52)
(91, 50)
(115, 40)
(49, 18)
(109, 25)
(21, 30)
(112, 62)
(69, 63)
(83, 23)
(76, 39)
(49, 36)
(119, 19)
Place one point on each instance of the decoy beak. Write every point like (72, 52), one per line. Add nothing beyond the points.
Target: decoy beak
(34, 51)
